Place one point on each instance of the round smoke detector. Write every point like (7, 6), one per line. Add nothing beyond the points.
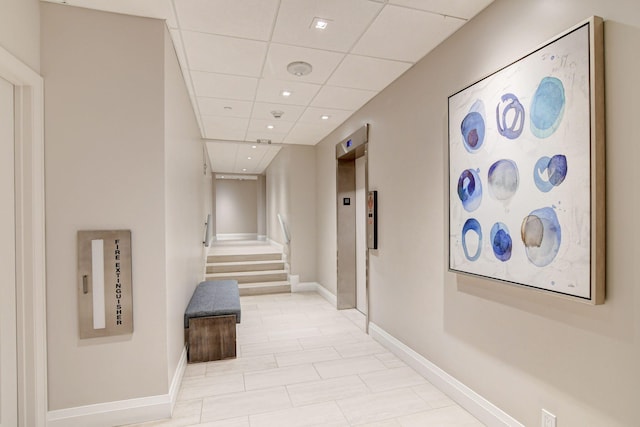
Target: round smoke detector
(299, 68)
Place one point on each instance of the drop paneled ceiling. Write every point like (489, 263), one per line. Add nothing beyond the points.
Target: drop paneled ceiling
(234, 56)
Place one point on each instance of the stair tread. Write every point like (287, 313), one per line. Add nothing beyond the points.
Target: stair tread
(262, 284)
(248, 273)
(234, 263)
(270, 255)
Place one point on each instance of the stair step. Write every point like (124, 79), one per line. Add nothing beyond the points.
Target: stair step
(231, 267)
(250, 276)
(244, 257)
(263, 288)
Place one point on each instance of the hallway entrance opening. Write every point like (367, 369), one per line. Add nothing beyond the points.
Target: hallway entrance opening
(351, 192)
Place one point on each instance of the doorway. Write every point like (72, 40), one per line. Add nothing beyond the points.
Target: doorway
(23, 233)
(351, 191)
(8, 326)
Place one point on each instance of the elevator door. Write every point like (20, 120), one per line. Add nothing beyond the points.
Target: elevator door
(8, 347)
(361, 236)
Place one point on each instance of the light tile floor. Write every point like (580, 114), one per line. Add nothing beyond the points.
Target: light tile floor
(301, 362)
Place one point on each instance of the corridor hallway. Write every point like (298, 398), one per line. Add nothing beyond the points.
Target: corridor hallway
(301, 362)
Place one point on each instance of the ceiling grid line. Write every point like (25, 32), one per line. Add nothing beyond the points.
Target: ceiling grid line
(234, 56)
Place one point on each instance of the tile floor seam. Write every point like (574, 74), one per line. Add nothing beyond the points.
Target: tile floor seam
(328, 329)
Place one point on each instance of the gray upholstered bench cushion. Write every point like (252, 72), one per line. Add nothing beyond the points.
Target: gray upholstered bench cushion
(214, 298)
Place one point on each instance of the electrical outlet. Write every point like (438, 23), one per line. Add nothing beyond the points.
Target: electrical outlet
(548, 419)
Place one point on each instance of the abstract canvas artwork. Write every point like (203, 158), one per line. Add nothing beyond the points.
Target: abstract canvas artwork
(526, 170)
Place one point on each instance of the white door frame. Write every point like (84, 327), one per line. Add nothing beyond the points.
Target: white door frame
(30, 240)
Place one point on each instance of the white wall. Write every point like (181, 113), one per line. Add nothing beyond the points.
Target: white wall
(187, 202)
(20, 30)
(116, 158)
(327, 214)
(291, 189)
(520, 349)
(236, 206)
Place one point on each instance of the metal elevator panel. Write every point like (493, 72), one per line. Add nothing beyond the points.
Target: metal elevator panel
(346, 192)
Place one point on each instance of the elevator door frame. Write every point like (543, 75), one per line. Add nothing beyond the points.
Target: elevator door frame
(347, 151)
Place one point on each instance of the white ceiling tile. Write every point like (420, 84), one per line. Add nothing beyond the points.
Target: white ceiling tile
(226, 55)
(229, 128)
(460, 8)
(279, 56)
(342, 98)
(271, 91)
(279, 126)
(222, 156)
(224, 86)
(313, 115)
(415, 34)
(224, 107)
(306, 134)
(290, 113)
(251, 19)
(347, 21)
(356, 72)
(251, 158)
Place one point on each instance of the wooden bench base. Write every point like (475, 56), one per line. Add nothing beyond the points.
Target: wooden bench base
(211, 338)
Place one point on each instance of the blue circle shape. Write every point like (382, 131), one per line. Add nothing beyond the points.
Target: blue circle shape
(510, 129)
(542, 236)
(473, 128)
(547, 107)
(501, 241)
(470, 190)
(471, 225)
(503, 179)
(556, 168)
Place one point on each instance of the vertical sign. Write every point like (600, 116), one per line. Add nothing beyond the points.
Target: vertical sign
(105, 304)
(372, 220)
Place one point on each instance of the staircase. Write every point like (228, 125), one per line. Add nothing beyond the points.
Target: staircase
(258, 267)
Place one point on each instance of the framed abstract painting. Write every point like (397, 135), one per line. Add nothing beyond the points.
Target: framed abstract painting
(526, 170)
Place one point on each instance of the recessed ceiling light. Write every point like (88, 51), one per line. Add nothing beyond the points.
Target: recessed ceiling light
(285, 93)
(254, 146)
(248, 158)
(319, 23)
(222, 177)
(299, 68)
(269, 126)
(244, 169)
(325, 117)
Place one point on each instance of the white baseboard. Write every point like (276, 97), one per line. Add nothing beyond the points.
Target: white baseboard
(177, 378)
(315, 287)
(477, 405)
(124, 411)
(262, 237)
(304, 287)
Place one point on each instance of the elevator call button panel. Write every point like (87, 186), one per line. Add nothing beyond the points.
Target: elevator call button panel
(372, 220)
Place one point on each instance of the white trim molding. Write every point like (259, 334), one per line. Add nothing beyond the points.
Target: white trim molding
(315, 287)
(112, 413)
(30, 239)
(478, 406)
(124, 411)
(177, 378)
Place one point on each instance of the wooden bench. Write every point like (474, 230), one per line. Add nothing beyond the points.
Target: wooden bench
(210, 321)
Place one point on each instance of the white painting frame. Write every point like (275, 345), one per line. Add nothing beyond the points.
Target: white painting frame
(526, 170)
